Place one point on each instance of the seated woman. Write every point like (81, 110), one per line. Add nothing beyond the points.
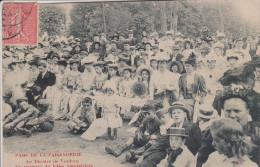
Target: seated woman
(231, 143)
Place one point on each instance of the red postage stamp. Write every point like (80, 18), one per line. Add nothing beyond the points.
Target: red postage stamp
(20, 23)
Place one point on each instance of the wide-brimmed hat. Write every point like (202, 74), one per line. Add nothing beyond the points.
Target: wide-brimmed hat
(163, 56)
(110, 58)
(233, 55)
(62, 62)
(239, 39)
(131, 68)
(124, 57)
(218, 45)
(140, 46)
(83, 53)
(175, 47)
(174, 131)
(153, 58)
(186, 41)
(177, 63)
(148, 108)
(232, 76)
(71, 61)
(42, 63)
(144, 67)
(112, 65)
(183, 107)
(98, 63)
(191, 61)
(207, 111)
(114, 41)
(88, 60)
(33, 62)
(162, 111)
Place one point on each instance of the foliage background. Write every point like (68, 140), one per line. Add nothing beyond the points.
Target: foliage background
(85, 19)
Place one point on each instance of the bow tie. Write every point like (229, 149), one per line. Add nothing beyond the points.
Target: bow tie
(173, 154)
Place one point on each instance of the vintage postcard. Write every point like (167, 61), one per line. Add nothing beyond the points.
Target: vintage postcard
(130, 83)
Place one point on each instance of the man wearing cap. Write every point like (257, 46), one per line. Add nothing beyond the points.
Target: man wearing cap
(45, 77)
(131, 39)
(114, 50)
(205, 116)
(44, 121)
(155, 49)
(126, 50)
(20, 117)
(175, 50)
(178, 155)
(244, 54)
(121, 41)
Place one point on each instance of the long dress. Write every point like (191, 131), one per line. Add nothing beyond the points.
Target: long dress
(110, 111)
(72, 89)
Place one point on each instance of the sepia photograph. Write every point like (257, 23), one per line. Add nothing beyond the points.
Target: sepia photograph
(130, 83)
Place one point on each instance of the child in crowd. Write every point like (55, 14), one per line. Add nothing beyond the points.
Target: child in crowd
(83, 117)
(178, 155)
(111, 110)
(125, 90)
(100, 78)
(231, 143)
(144, 75)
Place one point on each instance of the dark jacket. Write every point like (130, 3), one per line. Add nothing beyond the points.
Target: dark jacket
(31, 98)
(192, 142)
(251, 129)
(49, 79)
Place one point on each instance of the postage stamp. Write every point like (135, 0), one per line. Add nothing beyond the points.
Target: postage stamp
(20, 22)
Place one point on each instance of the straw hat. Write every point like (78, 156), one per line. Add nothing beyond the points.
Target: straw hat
(144, 67)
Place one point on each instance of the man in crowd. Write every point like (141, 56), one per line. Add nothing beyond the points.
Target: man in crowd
(45, 77)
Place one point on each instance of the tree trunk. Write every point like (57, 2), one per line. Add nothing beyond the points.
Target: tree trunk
(175, 17)
(221, 17)
(163, 17)
(104, 18)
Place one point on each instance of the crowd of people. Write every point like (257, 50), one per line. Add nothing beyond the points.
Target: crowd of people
(195, 100)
